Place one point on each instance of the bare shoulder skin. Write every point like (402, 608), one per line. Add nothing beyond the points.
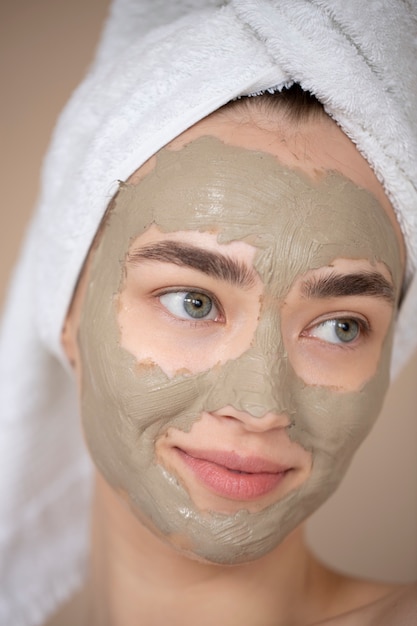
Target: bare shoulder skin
(398, 608)
(71, 613)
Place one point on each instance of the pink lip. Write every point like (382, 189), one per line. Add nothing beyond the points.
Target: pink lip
(233, 476)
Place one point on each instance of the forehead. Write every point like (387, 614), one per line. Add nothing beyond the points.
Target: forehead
(296, 223)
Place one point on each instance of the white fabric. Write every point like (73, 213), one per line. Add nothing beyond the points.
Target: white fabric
(162, 66)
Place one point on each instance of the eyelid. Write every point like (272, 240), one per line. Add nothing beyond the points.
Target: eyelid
(364, 327)
(337, 315)
(187, 289)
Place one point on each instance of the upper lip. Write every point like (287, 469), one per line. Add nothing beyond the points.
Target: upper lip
(236, 462)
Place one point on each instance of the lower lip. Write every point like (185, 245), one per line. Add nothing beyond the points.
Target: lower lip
(229, 483)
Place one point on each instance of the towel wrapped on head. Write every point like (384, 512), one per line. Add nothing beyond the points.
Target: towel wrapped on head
(160, 68)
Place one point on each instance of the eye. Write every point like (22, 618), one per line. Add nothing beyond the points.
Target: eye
(190, 305)
(340, 330)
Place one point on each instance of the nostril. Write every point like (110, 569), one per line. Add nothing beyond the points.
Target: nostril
(254, 416)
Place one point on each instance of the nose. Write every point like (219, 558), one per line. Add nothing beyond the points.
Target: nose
(268, 421)
(254, 388)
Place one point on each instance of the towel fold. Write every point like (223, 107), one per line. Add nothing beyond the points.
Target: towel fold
(161, 67)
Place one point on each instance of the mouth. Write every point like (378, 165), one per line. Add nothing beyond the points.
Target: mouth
(232, 476)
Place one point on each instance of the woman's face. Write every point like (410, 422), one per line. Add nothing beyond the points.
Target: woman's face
(234, 331)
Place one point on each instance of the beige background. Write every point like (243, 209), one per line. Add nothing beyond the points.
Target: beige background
(370, 526)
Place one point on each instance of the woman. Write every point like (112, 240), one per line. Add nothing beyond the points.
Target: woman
(254, 523)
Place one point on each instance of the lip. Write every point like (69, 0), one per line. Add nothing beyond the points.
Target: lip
(233, 476)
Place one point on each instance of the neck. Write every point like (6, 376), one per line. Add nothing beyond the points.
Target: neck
(137, 578)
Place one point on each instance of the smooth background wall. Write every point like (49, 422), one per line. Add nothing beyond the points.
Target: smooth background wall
(369, 526)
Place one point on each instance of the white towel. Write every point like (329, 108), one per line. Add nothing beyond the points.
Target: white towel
(160, 68)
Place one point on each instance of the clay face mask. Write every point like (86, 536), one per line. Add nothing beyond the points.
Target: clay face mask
(128, 406)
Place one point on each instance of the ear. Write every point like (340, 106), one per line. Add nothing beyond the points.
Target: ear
(69, 333)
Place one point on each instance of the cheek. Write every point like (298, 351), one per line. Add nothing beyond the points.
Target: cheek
(126, 408)
(332, 424)
(340, 366)
(179, 346)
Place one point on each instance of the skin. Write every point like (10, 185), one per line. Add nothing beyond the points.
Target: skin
(272, 309)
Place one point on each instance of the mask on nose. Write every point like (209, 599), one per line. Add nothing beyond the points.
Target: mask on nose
(127, 406)
(258, 382)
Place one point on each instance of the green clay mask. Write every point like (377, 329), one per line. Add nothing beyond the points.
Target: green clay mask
(295, 225)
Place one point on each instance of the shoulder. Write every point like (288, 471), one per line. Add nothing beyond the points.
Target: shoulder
(73, 611)
(398, 607)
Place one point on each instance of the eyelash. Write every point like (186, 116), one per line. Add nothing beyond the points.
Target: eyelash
(364, 330)
(197, 291)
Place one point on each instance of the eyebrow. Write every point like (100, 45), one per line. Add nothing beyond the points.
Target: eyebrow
(211, 263)
(356, 284)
